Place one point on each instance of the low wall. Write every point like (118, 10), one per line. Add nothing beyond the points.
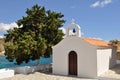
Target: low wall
(31, 69)
(5, 73)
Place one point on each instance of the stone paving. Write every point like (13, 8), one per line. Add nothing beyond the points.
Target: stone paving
(113, 72)
(43, 76)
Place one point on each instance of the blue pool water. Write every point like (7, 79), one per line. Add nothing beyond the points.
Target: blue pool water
(4, 63)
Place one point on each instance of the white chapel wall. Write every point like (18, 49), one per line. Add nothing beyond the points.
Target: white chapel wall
(87, 65)
(103, 60)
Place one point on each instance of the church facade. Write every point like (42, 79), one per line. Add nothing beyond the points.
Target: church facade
(80, 56)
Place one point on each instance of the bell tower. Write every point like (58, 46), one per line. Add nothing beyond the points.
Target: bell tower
(73, 27)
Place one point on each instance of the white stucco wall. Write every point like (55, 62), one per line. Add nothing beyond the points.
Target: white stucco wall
(6, 73)
(105, 59)
(86, 53)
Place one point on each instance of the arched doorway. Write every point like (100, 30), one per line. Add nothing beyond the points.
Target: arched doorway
(72, 63)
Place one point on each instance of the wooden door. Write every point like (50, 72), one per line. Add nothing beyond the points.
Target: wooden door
(72, 63)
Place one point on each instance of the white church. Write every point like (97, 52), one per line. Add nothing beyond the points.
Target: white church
(82, 57)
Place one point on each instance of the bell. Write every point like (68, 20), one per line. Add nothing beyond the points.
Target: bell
(74, 31)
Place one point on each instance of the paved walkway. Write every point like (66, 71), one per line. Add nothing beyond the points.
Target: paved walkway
(43, 76)
(113, 72)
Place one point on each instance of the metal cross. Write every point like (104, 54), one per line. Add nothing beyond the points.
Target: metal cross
(73, 20)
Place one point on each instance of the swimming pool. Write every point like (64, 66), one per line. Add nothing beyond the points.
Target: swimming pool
(4, 63)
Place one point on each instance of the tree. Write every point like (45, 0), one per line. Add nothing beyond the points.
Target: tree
(38, 31)
(116, 44)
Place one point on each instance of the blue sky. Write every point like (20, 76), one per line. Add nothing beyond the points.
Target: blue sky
(97, 18)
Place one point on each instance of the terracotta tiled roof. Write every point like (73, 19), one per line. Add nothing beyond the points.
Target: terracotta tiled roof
(96, 42)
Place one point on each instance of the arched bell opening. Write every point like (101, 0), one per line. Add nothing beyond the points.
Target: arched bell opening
(73, 30)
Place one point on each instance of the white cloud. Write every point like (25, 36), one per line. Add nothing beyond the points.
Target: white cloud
(63, 30)
(98, 38)
(1, 36)
(96, 4)
(101, 3)
(4, 27)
